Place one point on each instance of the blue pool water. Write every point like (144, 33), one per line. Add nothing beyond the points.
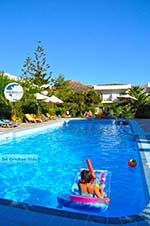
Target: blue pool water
(62, 152)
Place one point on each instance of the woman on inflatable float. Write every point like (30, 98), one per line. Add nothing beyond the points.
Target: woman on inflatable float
(90, 190)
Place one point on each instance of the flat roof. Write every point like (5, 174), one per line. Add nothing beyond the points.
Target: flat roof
(112, 87)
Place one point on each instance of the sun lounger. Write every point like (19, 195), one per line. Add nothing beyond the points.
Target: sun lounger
(44, 118)
(52, 117)
(30, 118)
(37, 119)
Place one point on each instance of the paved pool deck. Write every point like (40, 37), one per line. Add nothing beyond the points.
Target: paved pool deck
(144, 124)
(28, 125)
(20, 214)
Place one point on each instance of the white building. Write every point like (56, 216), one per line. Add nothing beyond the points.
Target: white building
(109, 93)
(147, 87)
(11, 76)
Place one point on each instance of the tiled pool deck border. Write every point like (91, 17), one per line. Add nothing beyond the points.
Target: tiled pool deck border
(144, 217)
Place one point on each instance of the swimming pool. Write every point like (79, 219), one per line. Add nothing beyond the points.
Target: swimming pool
(62, 152)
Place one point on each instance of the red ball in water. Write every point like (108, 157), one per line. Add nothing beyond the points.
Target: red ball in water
(132, 163)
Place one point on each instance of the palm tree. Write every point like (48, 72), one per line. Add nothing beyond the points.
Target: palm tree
(143, 100)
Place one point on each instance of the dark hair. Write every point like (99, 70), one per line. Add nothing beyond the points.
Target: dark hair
(86, 175)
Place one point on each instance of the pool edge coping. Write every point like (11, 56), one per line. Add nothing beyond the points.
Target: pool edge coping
(142, 139)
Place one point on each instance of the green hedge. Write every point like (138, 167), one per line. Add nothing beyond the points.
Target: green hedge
(143, 111)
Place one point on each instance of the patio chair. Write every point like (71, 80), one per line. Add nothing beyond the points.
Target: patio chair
(30, 118)
(5, 123)
(1, 122)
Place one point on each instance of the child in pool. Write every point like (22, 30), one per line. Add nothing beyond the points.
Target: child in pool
(87, 188)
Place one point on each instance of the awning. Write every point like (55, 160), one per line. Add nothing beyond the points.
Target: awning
(127, 97)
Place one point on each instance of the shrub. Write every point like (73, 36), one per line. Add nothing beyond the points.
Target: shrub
(30, 107)
(143, 111)
(5, 108)
(43, 107)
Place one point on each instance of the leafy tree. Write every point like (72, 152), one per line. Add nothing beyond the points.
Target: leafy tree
(5, 105)
(76, 101)
(28, 103)
(4, 80)
(37, 69)
(91, 98)
(77, 106)
(59, 82)
(61, 88)
(74, 110)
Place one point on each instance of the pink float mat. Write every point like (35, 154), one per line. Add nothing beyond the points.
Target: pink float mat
(86, 200)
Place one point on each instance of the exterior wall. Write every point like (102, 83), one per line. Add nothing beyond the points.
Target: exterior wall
(109, 93)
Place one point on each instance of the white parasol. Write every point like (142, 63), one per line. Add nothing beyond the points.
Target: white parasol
(40, 96)
(53, 99)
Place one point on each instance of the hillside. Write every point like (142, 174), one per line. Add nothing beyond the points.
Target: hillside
(78, 87)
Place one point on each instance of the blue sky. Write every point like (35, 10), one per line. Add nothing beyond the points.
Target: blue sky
(91, 41)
